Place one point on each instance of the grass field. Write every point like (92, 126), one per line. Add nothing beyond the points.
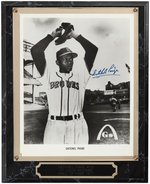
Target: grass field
(96, 117)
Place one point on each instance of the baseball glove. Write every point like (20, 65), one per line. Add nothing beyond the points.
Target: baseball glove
(67, 27)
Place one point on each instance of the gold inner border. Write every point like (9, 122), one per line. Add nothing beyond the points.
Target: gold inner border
(81, 163)
(16, 78)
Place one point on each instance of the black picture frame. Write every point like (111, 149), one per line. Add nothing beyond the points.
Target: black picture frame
(127, 171)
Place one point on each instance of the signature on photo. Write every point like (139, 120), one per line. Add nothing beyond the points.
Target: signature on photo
(106, 71)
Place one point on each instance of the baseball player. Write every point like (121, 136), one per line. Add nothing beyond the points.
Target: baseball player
(114, 102)
(65, 89)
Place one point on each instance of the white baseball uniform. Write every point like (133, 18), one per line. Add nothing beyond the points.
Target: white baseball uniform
(65, 93)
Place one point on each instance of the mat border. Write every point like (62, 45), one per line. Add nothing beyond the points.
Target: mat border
(17, 12)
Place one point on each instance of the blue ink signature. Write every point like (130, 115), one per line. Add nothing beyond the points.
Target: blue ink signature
(112, 70)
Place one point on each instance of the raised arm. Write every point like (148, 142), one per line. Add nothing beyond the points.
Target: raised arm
(37, 51)
(90, 50)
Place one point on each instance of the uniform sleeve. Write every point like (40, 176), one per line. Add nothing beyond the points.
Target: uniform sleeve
(90, 51)
(84, 76)
(38, 55)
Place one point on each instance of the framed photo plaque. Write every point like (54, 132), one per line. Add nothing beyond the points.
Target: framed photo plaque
(75, 91)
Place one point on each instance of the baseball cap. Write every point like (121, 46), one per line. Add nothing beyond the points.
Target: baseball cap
(65, 51)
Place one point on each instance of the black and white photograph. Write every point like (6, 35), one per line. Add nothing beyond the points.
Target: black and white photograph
(76, 84)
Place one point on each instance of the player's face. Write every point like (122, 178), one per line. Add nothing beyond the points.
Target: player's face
(66, 63)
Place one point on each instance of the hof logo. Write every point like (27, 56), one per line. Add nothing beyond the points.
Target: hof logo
(105, 133)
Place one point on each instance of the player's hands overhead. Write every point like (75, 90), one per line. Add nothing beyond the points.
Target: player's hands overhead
(57, 32)
(68, 32)
(69, 29)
